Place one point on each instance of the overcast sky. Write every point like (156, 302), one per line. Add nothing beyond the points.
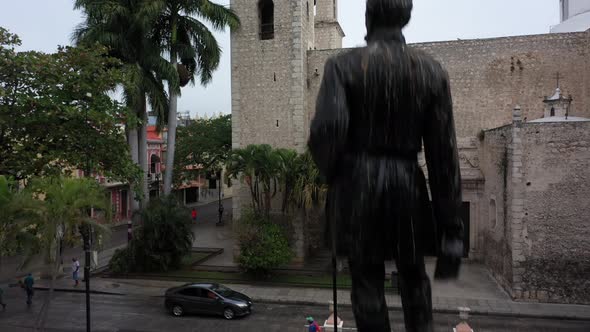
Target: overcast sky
(44, 24)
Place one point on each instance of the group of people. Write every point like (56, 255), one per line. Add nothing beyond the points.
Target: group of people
(28, 281)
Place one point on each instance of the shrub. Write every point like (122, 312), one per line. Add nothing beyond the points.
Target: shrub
(159, 245)
(263, 244)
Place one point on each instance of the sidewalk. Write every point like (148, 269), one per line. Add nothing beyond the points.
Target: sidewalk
(311, 296)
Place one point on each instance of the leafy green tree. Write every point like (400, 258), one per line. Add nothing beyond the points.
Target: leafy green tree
(17, 209)
(263, 244)
(159, 245)
(183, 36)
(203, 147)
(126, 28)
(56, 112)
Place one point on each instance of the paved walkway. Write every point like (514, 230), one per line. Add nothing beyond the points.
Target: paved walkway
(310, 296)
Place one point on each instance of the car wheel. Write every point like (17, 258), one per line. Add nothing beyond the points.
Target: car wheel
(228, 313)
(177, 310)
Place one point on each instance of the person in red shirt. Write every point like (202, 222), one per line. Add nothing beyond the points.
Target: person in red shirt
(194, 215)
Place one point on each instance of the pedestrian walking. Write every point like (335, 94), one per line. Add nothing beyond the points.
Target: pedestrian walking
(2, 299)
(75, 270)
(28, 283)
(313, 326)
(194, 215)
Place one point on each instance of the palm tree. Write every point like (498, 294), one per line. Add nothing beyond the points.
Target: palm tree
(65, 202)
(259, 166)
(126, 28)
(183, 36)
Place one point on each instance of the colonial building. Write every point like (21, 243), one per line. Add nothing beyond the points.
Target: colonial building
(574, 16)
(525, 180)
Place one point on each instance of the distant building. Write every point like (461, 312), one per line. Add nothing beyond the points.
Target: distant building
(574, 16)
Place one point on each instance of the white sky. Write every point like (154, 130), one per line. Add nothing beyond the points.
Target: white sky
(44, 24)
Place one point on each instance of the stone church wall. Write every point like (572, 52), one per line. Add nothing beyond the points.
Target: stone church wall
(495, 226)
(555, 234)
(490, 76)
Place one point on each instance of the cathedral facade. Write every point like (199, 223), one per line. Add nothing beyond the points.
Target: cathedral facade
(525, 168)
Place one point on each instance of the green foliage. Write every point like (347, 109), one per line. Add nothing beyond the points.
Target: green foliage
(263, 244)
(202, 147)
(259, 166)
(160, 243)
(64, 210)
(56, 112)
(265, 170)
(126, 29)
(177, 30)
(17, 209)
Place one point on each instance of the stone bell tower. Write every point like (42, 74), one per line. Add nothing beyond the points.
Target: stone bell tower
(328, 32)
(269, 72)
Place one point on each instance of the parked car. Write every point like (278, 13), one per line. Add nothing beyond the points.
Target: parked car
(207, 298)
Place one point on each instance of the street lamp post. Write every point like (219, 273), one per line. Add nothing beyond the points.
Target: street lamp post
(85, 231)
(157, 184)
(220, 209)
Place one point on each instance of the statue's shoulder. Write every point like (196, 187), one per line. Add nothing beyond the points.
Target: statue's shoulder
(427, 61)
(346, 56)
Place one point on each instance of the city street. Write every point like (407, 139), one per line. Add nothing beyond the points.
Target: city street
(207, 213)
(135, 314)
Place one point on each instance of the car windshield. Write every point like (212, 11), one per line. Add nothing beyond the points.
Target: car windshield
(221, 290)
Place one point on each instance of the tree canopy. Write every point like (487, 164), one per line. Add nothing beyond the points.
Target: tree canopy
(203, 147)
(56, 112)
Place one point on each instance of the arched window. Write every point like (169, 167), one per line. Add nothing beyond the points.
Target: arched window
(552, 112)
(266, 12)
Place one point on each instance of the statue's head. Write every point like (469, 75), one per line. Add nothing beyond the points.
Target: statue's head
(384, 14)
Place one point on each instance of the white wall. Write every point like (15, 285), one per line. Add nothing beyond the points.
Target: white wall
(576, 7)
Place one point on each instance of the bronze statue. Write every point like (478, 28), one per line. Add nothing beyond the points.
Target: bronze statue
(375, 108)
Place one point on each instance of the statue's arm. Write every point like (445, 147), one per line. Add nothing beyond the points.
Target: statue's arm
(440, 149)
(329, 127)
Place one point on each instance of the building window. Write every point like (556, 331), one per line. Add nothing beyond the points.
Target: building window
(552, 112)
(493, 213)
(266, 13)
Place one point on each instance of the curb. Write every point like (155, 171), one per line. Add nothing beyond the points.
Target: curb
(69, 290)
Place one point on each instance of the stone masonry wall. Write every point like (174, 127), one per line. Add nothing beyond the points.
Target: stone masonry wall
(328, 32)
(555, 231)
(495, 227)
(269, 79)
(328, 35)
(490, 76)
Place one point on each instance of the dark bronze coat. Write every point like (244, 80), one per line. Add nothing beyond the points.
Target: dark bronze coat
(375, 108)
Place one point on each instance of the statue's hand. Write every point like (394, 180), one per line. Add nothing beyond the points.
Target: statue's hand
(448, 263)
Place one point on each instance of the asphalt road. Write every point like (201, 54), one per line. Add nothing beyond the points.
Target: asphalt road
(135, 314)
